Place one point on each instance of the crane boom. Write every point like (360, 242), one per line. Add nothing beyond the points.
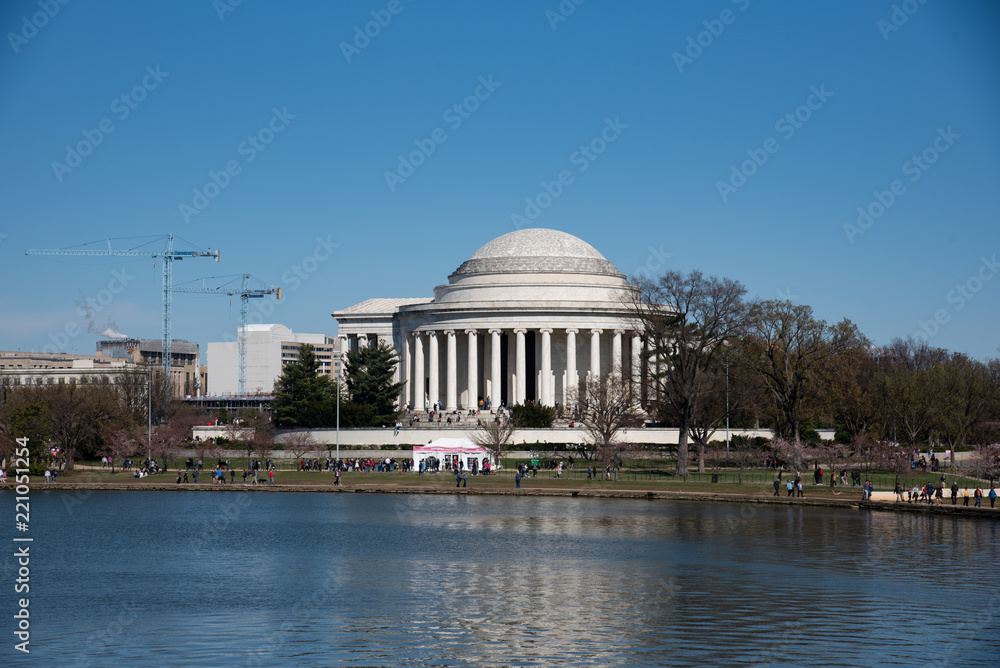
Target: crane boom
(168, 254)
(246, 293)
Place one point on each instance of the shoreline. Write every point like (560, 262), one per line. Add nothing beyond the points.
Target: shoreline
(669, 495)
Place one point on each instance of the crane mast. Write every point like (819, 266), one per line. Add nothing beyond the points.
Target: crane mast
(168, 254)
(245, 293)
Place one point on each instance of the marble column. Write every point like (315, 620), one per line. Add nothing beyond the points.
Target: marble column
(362, 341)
(654, 368)
(519, 366)
(433, 394)
(546, 384)
(616, 352)
(595, 352)
(418, 372)
(405, 364)
(451, 372)
(636, 367)
(473, 363)
(570, 386)
(495, 380)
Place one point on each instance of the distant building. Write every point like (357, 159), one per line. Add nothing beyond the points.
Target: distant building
(269, 349)
(188, 377)
(19, 369)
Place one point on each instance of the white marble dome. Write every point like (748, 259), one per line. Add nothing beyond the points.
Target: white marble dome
(536, 250)
(534, 265)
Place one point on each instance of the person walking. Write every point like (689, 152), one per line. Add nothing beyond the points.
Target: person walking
(517, 480)
(270, 476)
(458, 478)
(777, 486)
(790, 486)
(992, 495)
(979, 497)
(954, 493)
(465, 478)
(965, 496)
(337, 481)
(899, 492)
(798, 485)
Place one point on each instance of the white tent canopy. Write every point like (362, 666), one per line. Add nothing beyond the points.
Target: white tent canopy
(451, 450)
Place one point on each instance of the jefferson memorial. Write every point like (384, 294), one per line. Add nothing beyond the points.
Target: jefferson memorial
(529, 317)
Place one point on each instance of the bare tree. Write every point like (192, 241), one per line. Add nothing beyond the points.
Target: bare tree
(744, 454)
(688, 321)
(299, 443)
(985, 461)
(609, 407)
(786, 346)
(494, 434)
(241, 434)
(262, 434)
(790, 452)
(614, 454)
(119, 443)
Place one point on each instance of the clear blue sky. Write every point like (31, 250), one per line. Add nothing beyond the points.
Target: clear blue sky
(329, 121)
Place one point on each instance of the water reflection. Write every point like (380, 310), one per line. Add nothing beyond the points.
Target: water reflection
(300, 579)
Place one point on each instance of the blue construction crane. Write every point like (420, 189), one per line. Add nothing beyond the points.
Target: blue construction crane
(168, 254)
(246, 293)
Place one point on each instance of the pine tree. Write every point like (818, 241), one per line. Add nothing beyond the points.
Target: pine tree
(369, 379)
(303, 397)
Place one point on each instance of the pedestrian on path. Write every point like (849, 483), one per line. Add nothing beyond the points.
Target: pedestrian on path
(992, 495)
(777, 486)
(517, 480)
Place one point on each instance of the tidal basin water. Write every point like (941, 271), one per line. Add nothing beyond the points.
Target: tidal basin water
(298, 579)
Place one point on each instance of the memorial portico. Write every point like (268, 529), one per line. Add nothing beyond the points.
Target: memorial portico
(529, 317)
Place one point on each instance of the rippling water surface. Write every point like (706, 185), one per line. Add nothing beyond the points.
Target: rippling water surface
(287, 579)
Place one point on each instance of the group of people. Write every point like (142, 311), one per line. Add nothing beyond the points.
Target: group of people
(930, 493)
(793, 487)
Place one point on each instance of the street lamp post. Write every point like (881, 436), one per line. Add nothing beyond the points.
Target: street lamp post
(149, 414)
(727, 404)
(339, 368)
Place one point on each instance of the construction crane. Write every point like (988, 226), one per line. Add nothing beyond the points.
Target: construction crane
(168, 254)
(246, 293)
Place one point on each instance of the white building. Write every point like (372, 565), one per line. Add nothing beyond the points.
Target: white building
(269, 348)
(529, 317)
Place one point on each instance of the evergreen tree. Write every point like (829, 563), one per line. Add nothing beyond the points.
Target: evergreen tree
(369, 379)
(303, 397)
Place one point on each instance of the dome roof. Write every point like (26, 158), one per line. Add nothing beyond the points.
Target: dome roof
(537, 250)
